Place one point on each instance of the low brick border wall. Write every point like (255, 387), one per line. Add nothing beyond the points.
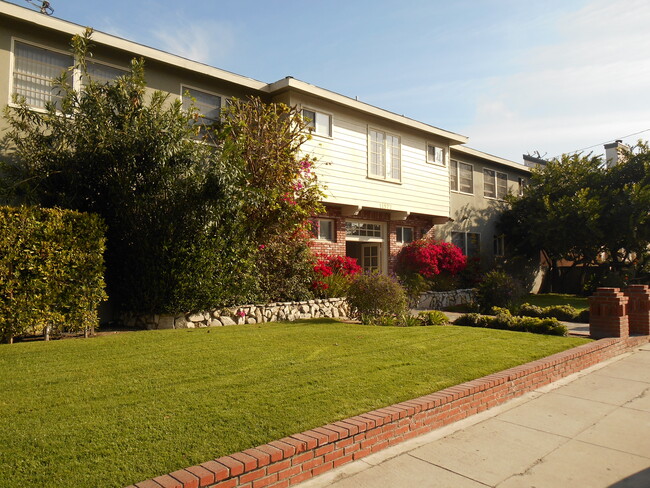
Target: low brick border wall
(296, 458)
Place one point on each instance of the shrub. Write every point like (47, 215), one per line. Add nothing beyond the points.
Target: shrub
(561, 312)
(334, 274)
(373, 296)
(498, 289)
(51, 270)
(505, 321)
(434, 317)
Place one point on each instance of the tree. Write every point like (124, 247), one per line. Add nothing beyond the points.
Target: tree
(186, 220)
(577, 210)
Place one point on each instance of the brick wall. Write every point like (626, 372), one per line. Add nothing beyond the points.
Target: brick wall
(288, 461)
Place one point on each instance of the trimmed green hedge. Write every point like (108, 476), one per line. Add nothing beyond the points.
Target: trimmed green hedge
(560, 312)
(51, 270)
(505, 321)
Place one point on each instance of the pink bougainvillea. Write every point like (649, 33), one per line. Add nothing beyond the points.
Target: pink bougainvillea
(429, 258)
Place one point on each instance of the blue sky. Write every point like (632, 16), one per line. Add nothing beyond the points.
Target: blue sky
(515, 76)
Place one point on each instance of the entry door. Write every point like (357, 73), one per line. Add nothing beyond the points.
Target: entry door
(370, 258)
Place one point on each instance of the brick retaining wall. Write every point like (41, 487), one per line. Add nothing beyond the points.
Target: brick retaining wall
(296, 458)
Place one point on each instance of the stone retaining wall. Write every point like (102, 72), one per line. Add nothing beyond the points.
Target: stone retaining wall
(437, 300)
(245, 314)
(292, 459)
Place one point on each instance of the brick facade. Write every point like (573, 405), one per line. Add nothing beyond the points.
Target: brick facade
(422, 227)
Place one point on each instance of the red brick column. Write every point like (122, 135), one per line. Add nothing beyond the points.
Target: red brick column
(608, 314)
(638, 309)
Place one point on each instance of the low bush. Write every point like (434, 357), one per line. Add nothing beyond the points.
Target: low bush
(566, 313)
(51, 270)
(498, 289)
(505, 321)
(433, 317)
(374, 296)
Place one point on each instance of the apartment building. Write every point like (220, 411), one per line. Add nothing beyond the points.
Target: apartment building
(387, 177)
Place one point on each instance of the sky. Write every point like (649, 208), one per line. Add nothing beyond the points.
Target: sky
(515, 76)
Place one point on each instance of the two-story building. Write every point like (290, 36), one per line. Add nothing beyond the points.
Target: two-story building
(387, 177)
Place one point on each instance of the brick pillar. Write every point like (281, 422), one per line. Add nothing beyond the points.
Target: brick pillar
(638, 308)
(608, 314)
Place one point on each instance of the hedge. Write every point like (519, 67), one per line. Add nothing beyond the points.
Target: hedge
(560, 312)
(505, 321)
(51, 270)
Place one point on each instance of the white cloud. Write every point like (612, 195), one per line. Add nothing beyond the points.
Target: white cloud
(206, 41)
(587, 84)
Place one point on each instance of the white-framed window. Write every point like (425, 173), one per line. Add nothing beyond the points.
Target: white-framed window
(324, 230)
(521, 185)
(435, 155)
(468, 242)
(318, 122)
(208, 104)
(495, 184)
(384, 155)
(461, 177)
(404, 234)
(34, 69)
(103, 73)
(362, 229)
(499, 245)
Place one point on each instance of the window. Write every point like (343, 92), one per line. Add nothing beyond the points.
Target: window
(435, 154)
(102, 73)
(495, 184)
(499, 246)
(404, 234)
(208, 105)
(34, 70)
(324, 230)
(385, 161)
(461, 177)
(359, 229)
(468, 242)
(522, 185)
(318, 123)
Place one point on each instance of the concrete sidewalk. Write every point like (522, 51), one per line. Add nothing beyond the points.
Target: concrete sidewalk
(591, 429)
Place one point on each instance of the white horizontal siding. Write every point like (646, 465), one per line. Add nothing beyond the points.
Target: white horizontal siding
(343, 168)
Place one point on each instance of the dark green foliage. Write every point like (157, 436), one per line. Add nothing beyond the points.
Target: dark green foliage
(186, 220)
(372, 296)
(577, 209)
(565, 313)
(498, 289)
(505, 321)
(51, 270)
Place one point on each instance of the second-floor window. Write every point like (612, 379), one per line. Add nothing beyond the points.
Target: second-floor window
(34, 70)
(207, 104)
(521, 186)
(317, 122)
(461, 177)
(495, 184)
(384, 155)
(435, 154)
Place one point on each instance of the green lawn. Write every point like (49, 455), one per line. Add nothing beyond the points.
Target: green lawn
(114, 410)
(548, 299)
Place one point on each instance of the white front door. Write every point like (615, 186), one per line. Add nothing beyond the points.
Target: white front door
(371, 258)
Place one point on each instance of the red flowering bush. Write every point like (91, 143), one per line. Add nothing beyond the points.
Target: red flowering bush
(334, 275)
(424, 262)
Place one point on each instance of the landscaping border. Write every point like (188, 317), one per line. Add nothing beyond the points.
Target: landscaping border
(285, 462)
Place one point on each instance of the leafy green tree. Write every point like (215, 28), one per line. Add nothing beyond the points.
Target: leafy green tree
(577, 210)
(191, 225)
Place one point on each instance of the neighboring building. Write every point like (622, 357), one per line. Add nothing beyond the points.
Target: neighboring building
(478, 184)
(387, 176)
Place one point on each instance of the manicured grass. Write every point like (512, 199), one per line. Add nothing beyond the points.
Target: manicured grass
(549, 299)
(115, 410)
